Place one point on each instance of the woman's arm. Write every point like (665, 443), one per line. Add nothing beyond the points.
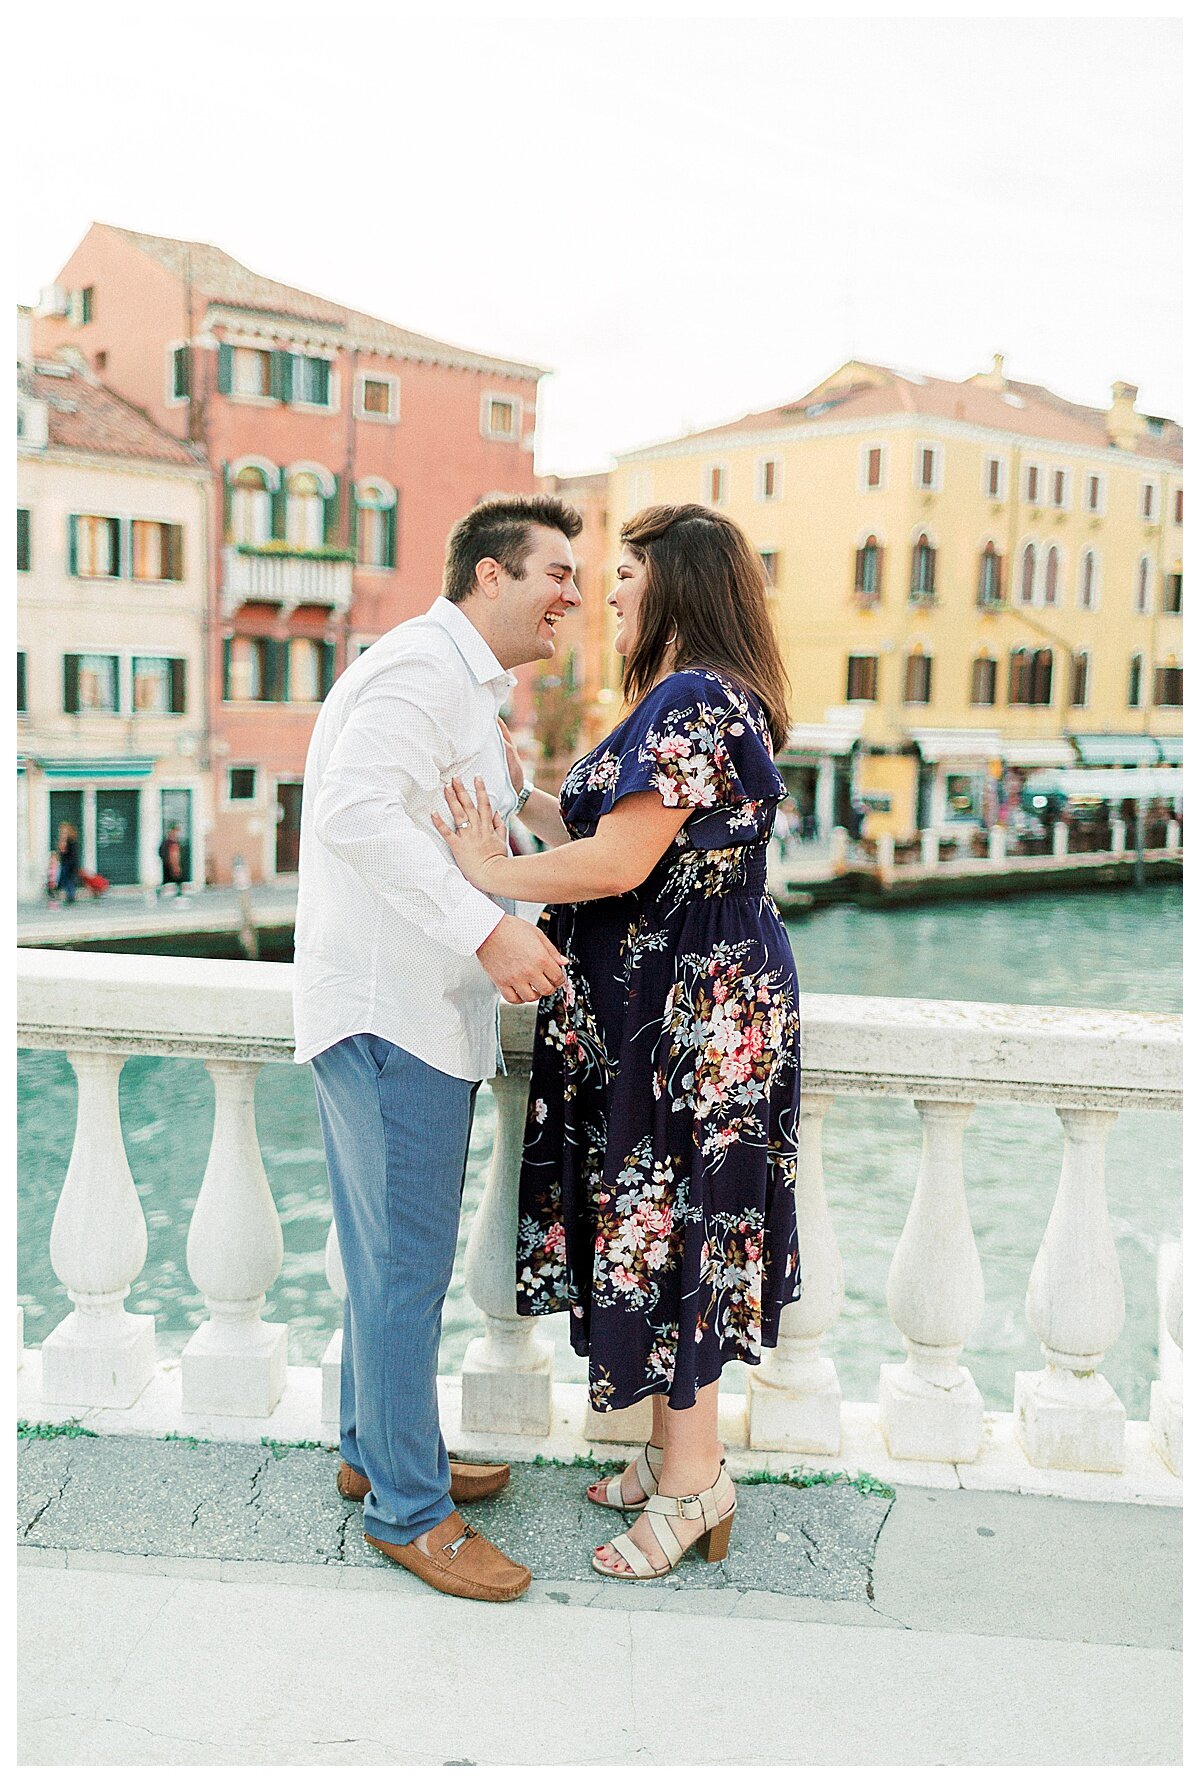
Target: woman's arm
(540, 815)
(626, 848)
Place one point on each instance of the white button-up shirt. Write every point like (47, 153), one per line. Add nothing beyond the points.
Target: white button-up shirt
(386, 926)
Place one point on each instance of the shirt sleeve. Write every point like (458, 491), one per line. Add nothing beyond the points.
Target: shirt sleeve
(394, 754)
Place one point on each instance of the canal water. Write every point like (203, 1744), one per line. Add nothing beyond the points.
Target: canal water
(1105, 949)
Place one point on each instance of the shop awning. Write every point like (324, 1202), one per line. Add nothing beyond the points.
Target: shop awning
(820, 739)
(964, 745)
(1170, 750)
(1037, 752)
(1114, 784)
(1108, 749)
(103, 767)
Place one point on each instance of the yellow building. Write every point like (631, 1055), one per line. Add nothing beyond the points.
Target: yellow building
(971, 581)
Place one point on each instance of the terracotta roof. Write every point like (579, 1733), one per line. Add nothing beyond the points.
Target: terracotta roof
(877, 391)
(84, 416)
(222, 279)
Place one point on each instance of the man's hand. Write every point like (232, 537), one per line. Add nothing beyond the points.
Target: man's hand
(520, 961)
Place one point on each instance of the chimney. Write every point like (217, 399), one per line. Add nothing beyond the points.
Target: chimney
(1125, 425)
(994, 379)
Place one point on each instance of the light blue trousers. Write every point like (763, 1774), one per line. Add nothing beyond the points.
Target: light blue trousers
(396, 1132)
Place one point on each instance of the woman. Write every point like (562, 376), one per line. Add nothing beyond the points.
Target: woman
(68, 861)
(657, 1190)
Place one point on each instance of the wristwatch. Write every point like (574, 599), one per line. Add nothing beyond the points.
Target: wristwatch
(523, 798)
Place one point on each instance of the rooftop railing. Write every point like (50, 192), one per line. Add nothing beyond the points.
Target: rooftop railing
(945, 1057)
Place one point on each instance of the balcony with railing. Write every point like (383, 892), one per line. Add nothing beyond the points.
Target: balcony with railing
(1067, 1430)
(285, 576)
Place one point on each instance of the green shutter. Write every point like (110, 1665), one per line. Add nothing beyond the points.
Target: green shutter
(172, 553)
(22, 538)
(389, 534)
(328, 666)
(70, 684)
(276, 669)
(331, 515)
(226, 504)
(118, 554)
(183, 371)
(22, 694)
(226, 657)
(320, 381)
(72, 544)
(352, 517)
(281, 376)
(224, 368)
(279, 509)
(178, 684)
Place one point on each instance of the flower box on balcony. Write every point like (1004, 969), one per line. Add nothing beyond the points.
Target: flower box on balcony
(282, 548)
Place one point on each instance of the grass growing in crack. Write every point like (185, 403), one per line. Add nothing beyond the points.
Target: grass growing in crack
(278, 1448)
(588, 1460)
(864, 1483)
(47, 1432)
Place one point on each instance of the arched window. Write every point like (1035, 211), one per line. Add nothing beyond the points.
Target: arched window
(1028, 571)
(1141, 598)
(983, 680)
(918, 679)
(1087, 581)
(1030, 677)
(1135, 679)
(1042, 678)
(1079, 678)
(375, 524)
(1050, 584)
(990, 567)
(867, 566)
(924, 568)
(305, 510)
(250, 507)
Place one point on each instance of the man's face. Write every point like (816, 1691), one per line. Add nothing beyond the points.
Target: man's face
(529, 610)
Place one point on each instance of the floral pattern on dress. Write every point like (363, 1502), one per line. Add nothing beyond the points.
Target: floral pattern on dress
(657, 1188)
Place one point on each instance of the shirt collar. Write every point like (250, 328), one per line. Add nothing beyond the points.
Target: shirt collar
(471, 645)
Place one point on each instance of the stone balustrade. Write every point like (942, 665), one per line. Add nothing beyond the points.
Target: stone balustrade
(945, 1057)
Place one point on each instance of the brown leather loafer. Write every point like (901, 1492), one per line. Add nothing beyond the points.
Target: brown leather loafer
(469, 1481)
(460, 1562)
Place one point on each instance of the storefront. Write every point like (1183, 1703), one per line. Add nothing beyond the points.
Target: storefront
(120, 809)
(817, 764)
(958, 782)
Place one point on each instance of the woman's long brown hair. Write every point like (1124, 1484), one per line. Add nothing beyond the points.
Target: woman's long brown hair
(704, 583)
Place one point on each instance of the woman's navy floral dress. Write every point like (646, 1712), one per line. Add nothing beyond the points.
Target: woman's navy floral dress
(658, 1185)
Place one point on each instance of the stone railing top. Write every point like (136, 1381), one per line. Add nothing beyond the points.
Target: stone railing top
(881, 1046)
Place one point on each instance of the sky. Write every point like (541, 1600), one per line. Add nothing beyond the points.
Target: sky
(683, 219)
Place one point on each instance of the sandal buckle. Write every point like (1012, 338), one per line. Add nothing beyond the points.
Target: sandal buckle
(691, 1498)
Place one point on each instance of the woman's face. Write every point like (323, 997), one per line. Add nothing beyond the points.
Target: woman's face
(626, 598)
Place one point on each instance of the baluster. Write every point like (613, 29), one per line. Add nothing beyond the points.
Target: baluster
(795, 1398)
(930, 851)
(1060, 838)
(929, 1406)
(235, 1364)
(1067, 1414)
(1174, 832)
(1117, 836)
(331, 1361)
(507, 1376)
(997, 842)
(100, 1355)
(1166, 1393)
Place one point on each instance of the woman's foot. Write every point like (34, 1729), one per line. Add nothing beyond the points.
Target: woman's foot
(686, 1530)
(626, 1491)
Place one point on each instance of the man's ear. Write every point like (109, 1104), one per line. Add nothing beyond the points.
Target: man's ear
(487, 578)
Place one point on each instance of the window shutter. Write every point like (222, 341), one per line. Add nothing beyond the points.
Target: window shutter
(22, 538)
(173, 553)
(224, 368)
(328, 653)
(178, 684)
(22, 697)
(70, 684)
(73, 544)
(226, 664)
(116, 557)
(389, 534)
(352, 518)
(279, 509)
(281, 376)
(860, 562)
(226, 504)
(276, 676)
(331, 514)
(320, 381)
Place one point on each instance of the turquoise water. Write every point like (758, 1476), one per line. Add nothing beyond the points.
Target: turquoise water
(1115, 950)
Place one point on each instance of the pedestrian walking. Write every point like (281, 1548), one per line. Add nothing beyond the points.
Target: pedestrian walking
(170, 853)
(68, 861)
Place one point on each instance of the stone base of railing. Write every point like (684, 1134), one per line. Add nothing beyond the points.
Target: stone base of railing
(919, 1419)
(780, 1418)
(228, 1369)
(1063, 1421)
(1001, 1466)
(510, 1401)
(112, 1369)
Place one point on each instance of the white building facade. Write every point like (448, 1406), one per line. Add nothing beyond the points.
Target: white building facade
(112, 581)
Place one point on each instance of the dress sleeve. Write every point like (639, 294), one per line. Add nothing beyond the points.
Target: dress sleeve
(701, 745)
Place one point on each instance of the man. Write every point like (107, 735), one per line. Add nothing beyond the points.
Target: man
(170, 853)
(398, 966)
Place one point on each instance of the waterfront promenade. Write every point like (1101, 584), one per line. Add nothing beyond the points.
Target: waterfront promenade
(1015, 1601)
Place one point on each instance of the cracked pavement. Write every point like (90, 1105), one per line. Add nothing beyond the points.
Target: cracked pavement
(234, 1501)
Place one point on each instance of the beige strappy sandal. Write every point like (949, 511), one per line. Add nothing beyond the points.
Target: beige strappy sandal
(694, 1506)
(648, 1466)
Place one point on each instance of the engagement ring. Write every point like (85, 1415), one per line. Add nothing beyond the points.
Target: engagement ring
(463, 826)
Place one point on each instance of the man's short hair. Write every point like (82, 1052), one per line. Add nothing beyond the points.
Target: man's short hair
(502, 528)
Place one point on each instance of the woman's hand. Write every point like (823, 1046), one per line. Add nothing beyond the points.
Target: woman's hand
(477, 838)
(516, 767)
